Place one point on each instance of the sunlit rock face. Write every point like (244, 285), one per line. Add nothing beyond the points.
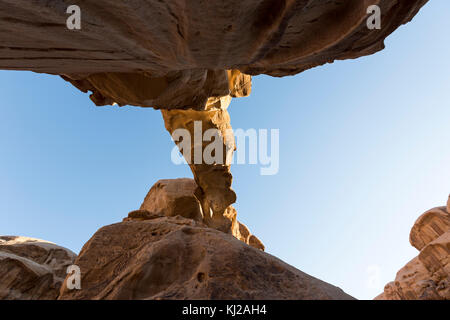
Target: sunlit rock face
(426, 277)
(179, 197)
(32, 269)
(179, 258)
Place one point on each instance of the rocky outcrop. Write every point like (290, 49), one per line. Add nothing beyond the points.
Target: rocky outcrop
(178, 197)
(426, 277)
(430, 226)
(32, 269)
(190, 58)
(179, 258)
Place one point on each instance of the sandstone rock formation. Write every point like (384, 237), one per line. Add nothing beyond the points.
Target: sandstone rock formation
(178, 197)
(179, 258)
(190, 58)
(212, 177)
(426, 277)
(173, 197)
(32, 269)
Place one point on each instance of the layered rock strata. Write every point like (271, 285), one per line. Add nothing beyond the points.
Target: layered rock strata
(426, 277)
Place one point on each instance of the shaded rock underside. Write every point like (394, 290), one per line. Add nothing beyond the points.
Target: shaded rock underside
(189, 58)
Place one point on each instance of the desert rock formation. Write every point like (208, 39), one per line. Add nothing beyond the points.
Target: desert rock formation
(190, 58)
(179, 258)
(32, 269)
(426, 277)
(177, 197)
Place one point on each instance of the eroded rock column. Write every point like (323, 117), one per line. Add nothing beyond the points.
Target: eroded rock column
(214, 180)
(209, 150)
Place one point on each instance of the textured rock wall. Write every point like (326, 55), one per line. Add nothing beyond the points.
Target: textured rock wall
(179, 258)
(426, 277)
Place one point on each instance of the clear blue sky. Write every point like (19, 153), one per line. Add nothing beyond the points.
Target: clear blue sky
(364, 150)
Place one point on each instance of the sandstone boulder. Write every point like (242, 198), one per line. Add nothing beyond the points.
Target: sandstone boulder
(429, 226)
(179, 258)
(179, 197)
(173, 197)
(426, 277)
(32, 269)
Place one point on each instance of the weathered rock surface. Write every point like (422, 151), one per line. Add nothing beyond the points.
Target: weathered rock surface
(179, 258)
(32, 269)
(172, 197)
(212, 175)
(174, 54)
(426, 277)
(178, 197)
(429, 226)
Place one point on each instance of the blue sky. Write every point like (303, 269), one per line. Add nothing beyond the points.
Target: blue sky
(364, 150)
